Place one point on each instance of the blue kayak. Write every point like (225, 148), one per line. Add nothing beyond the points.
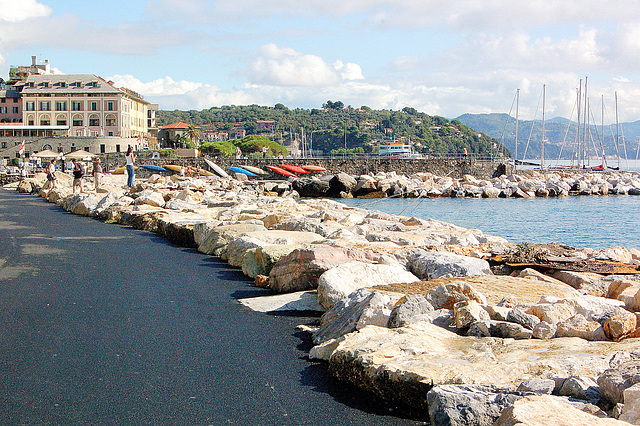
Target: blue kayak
(241, 170)
(154, 168)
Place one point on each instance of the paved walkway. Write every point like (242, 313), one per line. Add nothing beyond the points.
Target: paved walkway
(105, 325)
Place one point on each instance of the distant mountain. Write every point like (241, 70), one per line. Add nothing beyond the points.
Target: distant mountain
(561, 135)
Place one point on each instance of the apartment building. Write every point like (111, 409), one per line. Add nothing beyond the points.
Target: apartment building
(86, 103)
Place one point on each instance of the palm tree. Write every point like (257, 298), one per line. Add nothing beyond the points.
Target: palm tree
(194, 133)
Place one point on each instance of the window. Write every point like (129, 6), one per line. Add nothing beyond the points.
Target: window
(63, 84)
(78, 83)
(77, 106)
(110, 120)
(15, 100)
(16, 110)
(3, 100)
(45, 120)
(103, 148)
(94, 120)
(61, 106)
(4, 144)
(45, 84)
(3, 110)
(31, 106)
(77, 121)
(94, 106)
(109, 106)
(117, 148)
(61, 120)
(44, 106)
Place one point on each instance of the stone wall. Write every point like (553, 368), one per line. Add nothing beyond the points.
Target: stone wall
(455, 168)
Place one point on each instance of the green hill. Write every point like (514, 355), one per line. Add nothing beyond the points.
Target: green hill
(324, 129)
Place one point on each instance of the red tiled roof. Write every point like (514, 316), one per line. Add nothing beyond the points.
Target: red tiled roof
(178, 125)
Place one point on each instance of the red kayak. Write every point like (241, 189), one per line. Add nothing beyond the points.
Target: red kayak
(293, 169)
(281, 171)
(313, 168)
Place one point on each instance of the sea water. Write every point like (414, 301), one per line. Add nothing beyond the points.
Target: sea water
(578, 221)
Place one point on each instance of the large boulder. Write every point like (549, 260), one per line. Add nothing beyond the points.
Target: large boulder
(314, 188)
(631, 411)
(150, 197)
(338, 282)
(548, 410)
(615, 380)
(301, 269)
(359, 309)
(429, 266)
(402, 364)
(219, 236)
(497, 288)
(410, 309)
(342, 183)
(478, 405)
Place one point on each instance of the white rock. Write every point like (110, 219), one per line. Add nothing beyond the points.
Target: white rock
(338, 282)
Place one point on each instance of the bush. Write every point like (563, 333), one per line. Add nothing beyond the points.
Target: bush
(168, 153)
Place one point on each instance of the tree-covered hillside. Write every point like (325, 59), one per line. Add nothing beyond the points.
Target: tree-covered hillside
(324, 129)
(561, 135)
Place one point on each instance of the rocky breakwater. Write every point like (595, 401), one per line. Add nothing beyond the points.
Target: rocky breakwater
(421, 313)
(524, 184)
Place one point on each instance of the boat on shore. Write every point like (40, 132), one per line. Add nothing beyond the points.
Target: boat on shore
(313, 168)
(241, 170)
(281, 171)
(219, 170)
(155, 168)
(294, 169)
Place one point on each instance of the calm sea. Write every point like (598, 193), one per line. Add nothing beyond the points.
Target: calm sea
(586, 221)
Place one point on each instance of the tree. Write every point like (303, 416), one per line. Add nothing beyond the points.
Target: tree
(194, 134)
(333, 105)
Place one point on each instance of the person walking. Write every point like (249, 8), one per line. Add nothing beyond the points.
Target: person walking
(264, 151)
(78, 174)
(23, 172)
(238, 153)
(97, 172)
(51, 174)
(131, 160)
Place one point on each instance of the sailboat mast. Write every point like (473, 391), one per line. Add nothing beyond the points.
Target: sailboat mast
(604, 159)
(515, 163)
(617, 131)
(585, 146)
(544, 93)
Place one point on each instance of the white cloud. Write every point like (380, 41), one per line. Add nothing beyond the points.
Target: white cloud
(160, 87)
(275, 66)
(16, 11)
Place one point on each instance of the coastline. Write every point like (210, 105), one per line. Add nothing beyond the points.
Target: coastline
(292, 246)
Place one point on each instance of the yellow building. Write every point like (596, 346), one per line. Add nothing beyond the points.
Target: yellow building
(85, 103)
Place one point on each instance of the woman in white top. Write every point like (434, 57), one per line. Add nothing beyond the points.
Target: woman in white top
(131, 159)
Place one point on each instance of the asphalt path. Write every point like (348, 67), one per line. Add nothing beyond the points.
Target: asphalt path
(106, 325)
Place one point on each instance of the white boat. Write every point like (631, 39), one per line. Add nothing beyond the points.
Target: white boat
(397, 150)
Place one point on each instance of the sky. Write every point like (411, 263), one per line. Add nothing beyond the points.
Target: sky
(440, 57)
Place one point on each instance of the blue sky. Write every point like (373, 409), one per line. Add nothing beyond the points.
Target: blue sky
(441, 57)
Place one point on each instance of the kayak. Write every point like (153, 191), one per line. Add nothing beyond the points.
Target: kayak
(241, 170)
(216, 168)
(154, 168)
(293, 169)
(121, 170)
(252, 169)
(173, 167)
(313, 168)
(281, 171)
